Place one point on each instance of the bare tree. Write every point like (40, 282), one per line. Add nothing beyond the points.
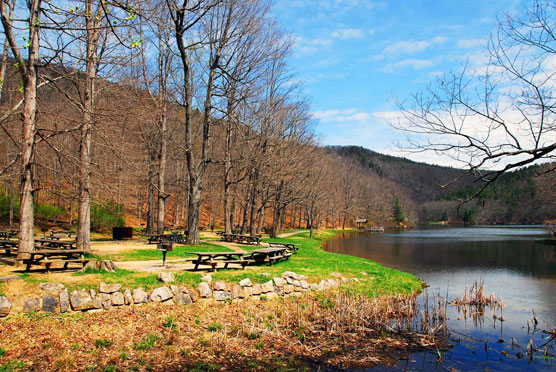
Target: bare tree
(498, 117)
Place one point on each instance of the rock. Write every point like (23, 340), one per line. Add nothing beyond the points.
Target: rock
(315, 287)
(166, 277)
(220, 286)
(182, 299)
(50, 304)
(64, 301)
(109, 288)
(323, 284)
(193, 293)
(246, 283)
(279, 282)
(31, 304)
(279, 291)
(235, 291)
(267, 287)
(204, 290)
(247, 292)
(289, 280)
(10, 278)
(206, 278)
(52, 288)
(290, 274)
(161, 294)
(288, 289)
(304, 284)
(296, 283)
(128, 298)
(256, 290)
(5, 306)
(338, 275)
(303, 277)
(333, 283)
(81, 300)
(271, 295)
(105, 300)
(221, 295)
(117, 299)
(97, 303)
(140, 296)
(175, 289)
(266, 275)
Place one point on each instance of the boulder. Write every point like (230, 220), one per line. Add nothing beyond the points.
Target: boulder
(161, 294)
(290, 274)
(235, 291)
(221, 295)
(220, 286)
(9, 278)
(182, 299)
(256, 290)
(81, 300)
(193, 293)
(289, 280)
(31, 304)
(204, 290)
(105, 300)
(97, 303)
(288, 288)
(246, 283)
(314, 287)
(267, 287)
(117, 299)
(64, 301)
(52, 288)
(140, 296)
(50, 304)
(5, 306)
(166, 277)
(109, 288)
(296, 283)
(279, 282)
(206, 278)
(128, 298)
(246, 291)
(304, 284)
(175, 289)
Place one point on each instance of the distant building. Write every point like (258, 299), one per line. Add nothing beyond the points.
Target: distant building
(361, 223)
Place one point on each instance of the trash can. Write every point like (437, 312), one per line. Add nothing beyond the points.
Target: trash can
(123, 232)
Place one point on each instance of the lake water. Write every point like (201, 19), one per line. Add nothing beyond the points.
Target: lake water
(512, 265)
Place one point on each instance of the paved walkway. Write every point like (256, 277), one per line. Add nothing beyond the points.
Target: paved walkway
(285, 235)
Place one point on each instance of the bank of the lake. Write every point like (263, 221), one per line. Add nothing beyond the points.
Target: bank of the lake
(326, 328)
(513, 265)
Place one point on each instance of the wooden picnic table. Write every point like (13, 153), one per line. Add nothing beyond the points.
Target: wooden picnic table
(291, 246)
(48, 257)
(9, 246)
(272, 254)
(238, 238)
(214, 258)
(174, 237)
(55, 243)
(7, 234)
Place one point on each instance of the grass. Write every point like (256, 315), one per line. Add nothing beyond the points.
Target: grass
(311, 260)
(549, 241)
(178, 251)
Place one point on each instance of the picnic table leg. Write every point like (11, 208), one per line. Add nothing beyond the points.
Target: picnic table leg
(213, 266)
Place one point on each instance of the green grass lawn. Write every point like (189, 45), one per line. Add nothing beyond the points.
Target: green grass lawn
(178, 251)
(311, 260)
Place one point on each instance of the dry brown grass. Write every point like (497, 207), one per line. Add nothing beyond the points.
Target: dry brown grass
(335, 329)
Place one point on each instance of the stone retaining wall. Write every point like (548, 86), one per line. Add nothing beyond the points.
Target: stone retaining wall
(57, 299)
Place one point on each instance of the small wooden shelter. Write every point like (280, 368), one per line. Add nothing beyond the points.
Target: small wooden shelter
(361, 222)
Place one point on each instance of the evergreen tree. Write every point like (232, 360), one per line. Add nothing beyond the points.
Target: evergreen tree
(398, 212)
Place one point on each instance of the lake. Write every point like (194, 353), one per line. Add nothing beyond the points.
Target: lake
(513, 266)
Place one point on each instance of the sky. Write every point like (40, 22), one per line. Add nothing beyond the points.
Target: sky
(356, 57)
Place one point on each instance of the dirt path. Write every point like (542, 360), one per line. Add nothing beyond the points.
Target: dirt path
(285, 235)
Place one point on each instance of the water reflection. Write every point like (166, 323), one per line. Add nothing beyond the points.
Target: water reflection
(513, 266)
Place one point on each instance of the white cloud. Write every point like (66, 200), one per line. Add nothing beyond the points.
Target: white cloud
(414, 63)
(469, 43)
(349, 115)
(411, 46)
(348, 33)
(306, 46)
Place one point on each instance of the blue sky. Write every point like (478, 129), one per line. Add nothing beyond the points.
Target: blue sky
(354, 56)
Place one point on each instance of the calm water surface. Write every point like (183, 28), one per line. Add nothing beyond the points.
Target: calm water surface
(512, 265)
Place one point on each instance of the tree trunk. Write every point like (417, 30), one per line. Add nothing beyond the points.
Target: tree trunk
(150, 200)
(194, 207)
(162, 174)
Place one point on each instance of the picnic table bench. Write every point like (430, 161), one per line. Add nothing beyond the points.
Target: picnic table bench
(174, 237)
(7, 234)
(55, 243)
(238, 238)
(214, 258)
(9, 246)
(272, 254)
(48, 257)
(291, 246)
